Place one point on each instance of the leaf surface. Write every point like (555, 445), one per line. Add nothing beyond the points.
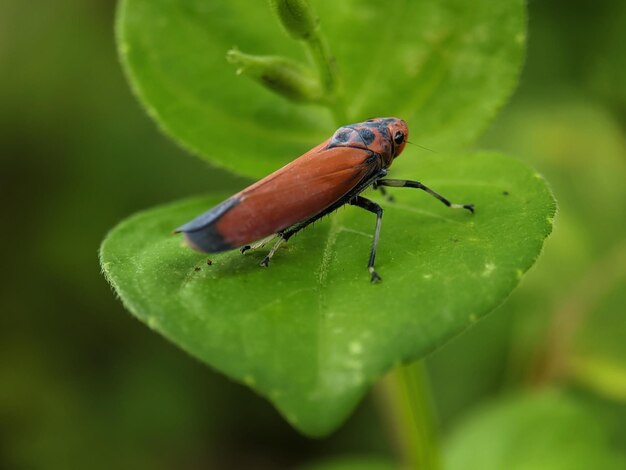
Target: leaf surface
(543, 431)
(444, 66)
(311, 333)
(352, 463)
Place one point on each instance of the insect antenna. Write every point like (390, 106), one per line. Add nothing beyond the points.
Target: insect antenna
(421, 146)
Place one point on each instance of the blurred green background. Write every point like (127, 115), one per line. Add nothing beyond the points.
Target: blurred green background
(84, 385)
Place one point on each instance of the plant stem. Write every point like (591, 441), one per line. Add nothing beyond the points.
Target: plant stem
(328, 75)
(409, 413)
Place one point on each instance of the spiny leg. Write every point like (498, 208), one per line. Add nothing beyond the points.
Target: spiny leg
(290, 232)
(418, 185)
(266, 261)
(286, 234)
(259, 244)
(283, 237)
(376, 209)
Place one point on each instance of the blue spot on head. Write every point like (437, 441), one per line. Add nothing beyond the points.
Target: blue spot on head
(342, 137)
(367, 135)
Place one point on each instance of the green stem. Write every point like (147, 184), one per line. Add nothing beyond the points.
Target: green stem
(408, 409)
(328, 75)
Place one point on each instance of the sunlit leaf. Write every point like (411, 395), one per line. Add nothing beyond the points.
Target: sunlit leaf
(444, 66)
(311, 333)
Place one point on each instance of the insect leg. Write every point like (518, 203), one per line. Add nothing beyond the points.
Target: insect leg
(385, 194)
(376, 185)
(255, 245)
(266, 261)
(418, 185)
(287, 233)
(290, 232)
(376, 209)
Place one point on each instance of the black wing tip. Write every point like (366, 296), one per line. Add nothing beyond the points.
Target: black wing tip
(202, 234)
(188, 227)
(209, 217)
(207, 241)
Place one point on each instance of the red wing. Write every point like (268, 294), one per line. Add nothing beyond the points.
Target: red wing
(294, 193)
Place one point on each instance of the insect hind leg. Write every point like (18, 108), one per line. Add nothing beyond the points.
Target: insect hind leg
(283, 237)
(290, 232)
(259, 244)
(287, 233)
(266, 261)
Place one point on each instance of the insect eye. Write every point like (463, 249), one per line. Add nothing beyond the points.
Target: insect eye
(398, 138)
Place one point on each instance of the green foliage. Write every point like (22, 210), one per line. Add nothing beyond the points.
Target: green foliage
(80, 378)
(310, 332)
(313, 334)
(352, 463)
(297, 17)
(544, 431)
(600, 357)
(287, 77)
(444, 67)
(578, 287)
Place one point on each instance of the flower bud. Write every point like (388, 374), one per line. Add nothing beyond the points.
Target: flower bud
(281, 75)
(297, 17)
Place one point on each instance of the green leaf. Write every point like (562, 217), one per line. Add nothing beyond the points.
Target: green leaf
(578, 290)
(311, 333)
(444, 66)
(297, 17)
(548, 431)
(598, 359)
(352, 463)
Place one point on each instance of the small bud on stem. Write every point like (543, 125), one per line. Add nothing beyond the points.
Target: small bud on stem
(283, 76)
(297, 17)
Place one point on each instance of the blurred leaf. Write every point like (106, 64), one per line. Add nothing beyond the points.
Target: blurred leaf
(599, 356)
(471, 366)
(572, 141)
(546, 431)
(444, 66)
(352, 463)
(602, 374)
(607, 73)
(576, 290)
(311, 333)
(539, 432)
(560, 58)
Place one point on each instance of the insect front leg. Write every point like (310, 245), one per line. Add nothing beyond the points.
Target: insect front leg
(388, 197)
(418, 185)
(376, 209)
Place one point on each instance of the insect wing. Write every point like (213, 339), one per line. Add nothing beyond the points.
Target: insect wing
(304, 188)
(290, 195)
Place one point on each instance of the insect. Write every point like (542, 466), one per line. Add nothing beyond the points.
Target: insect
(325, 178)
